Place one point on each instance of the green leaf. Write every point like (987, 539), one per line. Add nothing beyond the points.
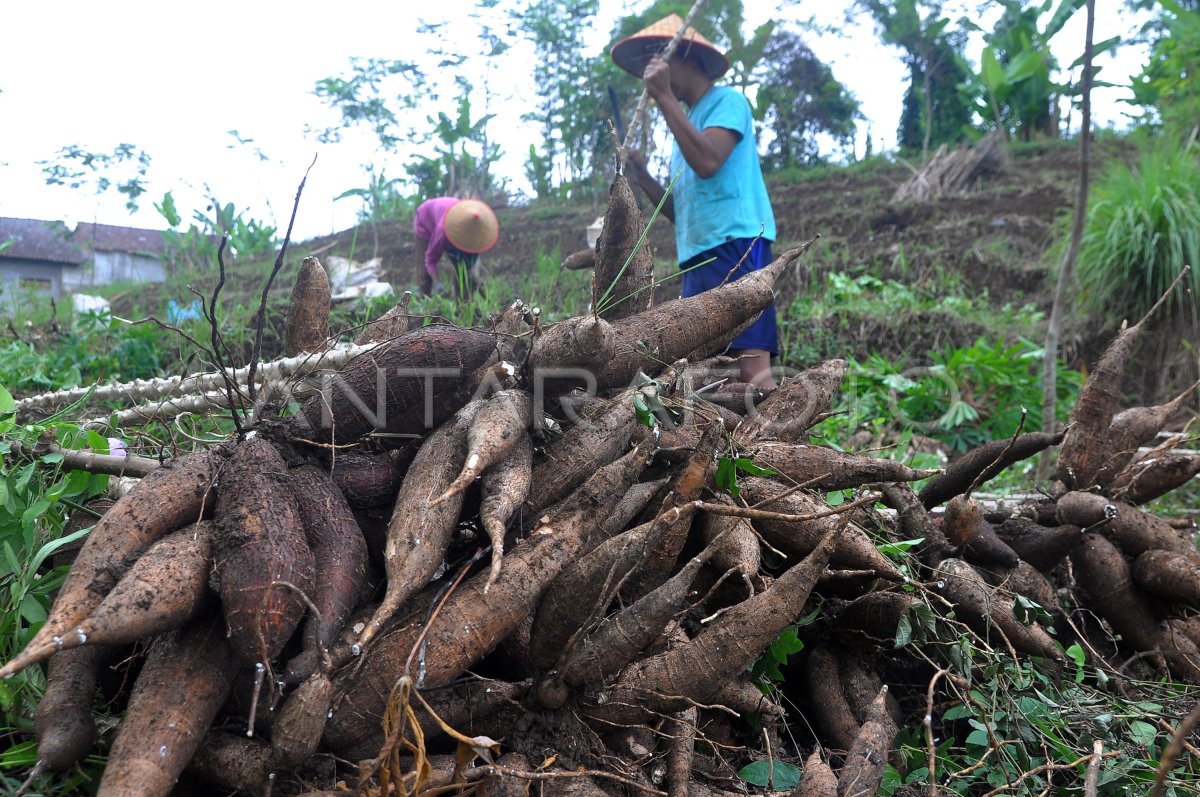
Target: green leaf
(895, 549)
(1142, 733)
(904, 631)
(23, 754)
(779, 775)
(726, 476)
(32, 609)
(991, 70)
(8, 410)
(53, 458)
(747, 466)
(30, 515)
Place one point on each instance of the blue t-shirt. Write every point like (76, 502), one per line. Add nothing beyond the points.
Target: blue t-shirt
(731, 204)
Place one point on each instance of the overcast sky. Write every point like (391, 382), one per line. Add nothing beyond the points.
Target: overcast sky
(174, 80)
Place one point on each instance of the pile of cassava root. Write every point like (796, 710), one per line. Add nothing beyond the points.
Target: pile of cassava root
(454, 572)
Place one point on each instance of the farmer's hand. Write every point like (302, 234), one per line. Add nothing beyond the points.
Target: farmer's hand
(658, 79)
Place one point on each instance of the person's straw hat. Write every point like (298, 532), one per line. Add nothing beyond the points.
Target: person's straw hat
(634, 52)
(471, 226)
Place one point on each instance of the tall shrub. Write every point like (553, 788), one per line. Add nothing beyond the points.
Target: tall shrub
(1143, 227)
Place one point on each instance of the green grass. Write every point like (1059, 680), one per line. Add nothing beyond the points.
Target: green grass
(1143, 227)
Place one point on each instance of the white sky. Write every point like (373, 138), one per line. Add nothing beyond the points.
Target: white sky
(173, 80)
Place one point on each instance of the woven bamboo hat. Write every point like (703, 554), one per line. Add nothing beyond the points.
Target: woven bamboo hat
(471, 226)
(634, 52)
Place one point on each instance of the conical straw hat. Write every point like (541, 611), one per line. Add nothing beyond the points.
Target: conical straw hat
(471, 226)
(634, 52)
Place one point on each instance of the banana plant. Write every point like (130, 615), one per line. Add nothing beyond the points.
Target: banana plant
(1017, 71)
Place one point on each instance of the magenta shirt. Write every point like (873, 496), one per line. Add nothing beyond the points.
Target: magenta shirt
(430, 223)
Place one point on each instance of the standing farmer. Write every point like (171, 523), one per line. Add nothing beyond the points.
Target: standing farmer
(719, 204)
(458, 228)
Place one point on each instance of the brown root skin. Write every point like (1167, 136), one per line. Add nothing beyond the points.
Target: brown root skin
(63, 722)
(1170, 575)
(598, 438)
(984, 462)
(697, 670)
(818, 779)
(665, 547)
(392, 324)
(794, 406)
(854, 550)
(367, 480)
(164, 588)
(873, 618)
(307, 326)
(260, 543)
(1143, 481)
(827, 703)
(861, 685)
(468, 626)
(1135, 427)
(1041, 546)
(1086, 444)
(581, 593)
(419, 531)
(964, 526)
(986, 610)
(170, 498)
(186, 677)
(621, 636)
(1025, 580)
(578, 261)
(385, 389)
(496, 427)
(917, 524)
(238, 764)
(863, 771)
(504, 488)
(1105, 576)
(297, 731)
(581, 343)
(624, 269)
(338, 547)
(822, 468)
(1133, 530)
(738, 551)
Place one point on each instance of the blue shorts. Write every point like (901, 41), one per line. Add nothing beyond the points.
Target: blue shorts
(763, 333)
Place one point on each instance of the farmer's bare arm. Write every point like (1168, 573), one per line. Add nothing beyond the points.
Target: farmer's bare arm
(654, 191)
(704, 150)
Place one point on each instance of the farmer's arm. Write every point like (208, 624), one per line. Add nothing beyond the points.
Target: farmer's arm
(654, 191)
(704, 150)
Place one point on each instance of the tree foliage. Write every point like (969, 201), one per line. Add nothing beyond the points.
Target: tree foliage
(1168, 84)
(123, 170)
(800, 99)
(935, 109)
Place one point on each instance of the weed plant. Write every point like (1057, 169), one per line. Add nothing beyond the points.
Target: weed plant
(1143, 227)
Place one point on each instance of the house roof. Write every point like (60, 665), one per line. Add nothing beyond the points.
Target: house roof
(109, 238)
(35, 239)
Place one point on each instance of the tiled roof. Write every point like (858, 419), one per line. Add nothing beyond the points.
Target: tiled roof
(39, 240)
(108, 238)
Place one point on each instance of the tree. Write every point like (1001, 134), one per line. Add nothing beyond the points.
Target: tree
(1059, 307)
(1168, 84)
(124, 170)
(449, 151)
(935, 110)
(800, 99)
(1016, 73)
(572, 103)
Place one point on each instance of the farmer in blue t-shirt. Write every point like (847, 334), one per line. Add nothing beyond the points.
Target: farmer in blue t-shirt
(719, 204)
